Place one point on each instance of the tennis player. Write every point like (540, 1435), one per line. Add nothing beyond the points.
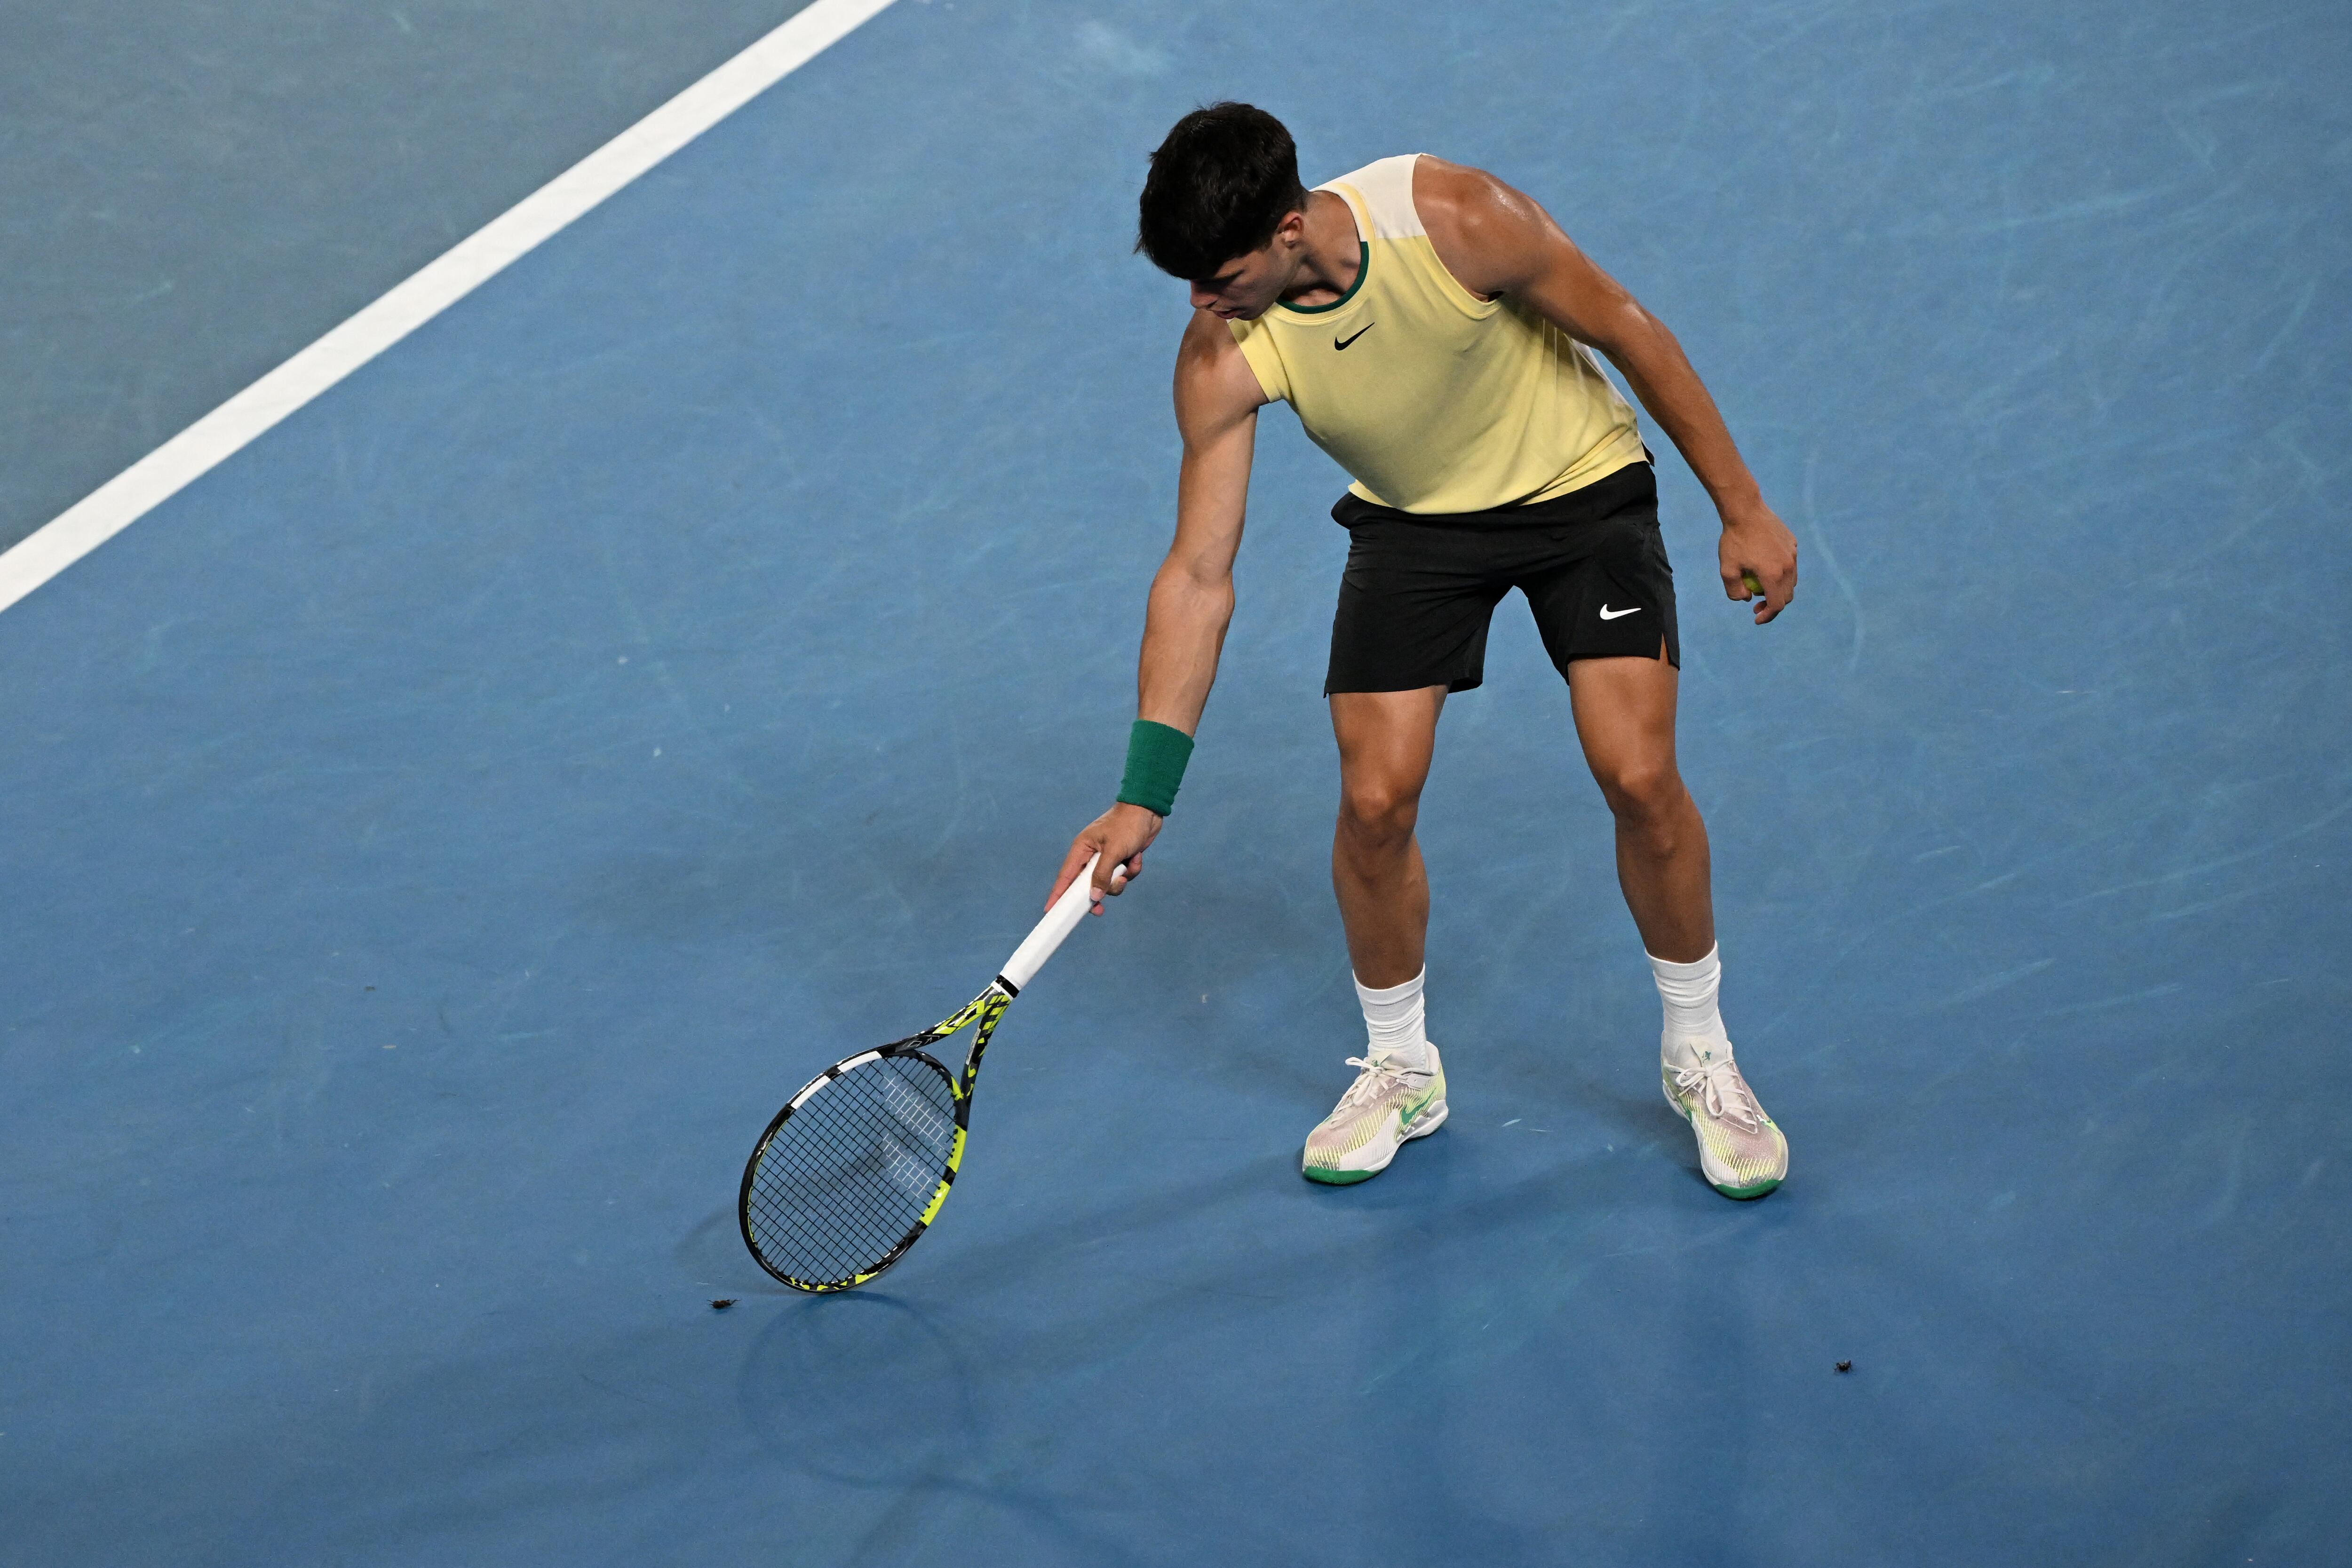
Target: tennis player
(1433, 328)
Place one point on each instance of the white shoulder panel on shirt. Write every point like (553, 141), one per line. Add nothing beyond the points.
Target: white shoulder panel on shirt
(1386, 188)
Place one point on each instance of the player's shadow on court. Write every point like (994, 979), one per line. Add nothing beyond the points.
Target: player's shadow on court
(1642, 1120)
(1629, 1118)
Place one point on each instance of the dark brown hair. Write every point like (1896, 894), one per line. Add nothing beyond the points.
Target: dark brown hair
(1219, 186)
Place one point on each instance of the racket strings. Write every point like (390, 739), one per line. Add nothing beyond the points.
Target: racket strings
(850, 1228)
(848, 1176)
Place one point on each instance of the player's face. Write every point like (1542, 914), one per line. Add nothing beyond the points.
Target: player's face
(1244, 288)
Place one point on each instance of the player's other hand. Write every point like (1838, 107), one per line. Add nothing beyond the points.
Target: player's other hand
(1119, 835)
(1757, 545)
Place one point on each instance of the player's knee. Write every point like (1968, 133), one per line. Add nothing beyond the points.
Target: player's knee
(1378, 812)
(1644, 795)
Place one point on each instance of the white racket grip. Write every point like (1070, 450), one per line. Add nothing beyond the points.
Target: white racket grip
(1059, 922)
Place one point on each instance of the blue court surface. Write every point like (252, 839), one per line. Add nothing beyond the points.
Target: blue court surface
(435, 843)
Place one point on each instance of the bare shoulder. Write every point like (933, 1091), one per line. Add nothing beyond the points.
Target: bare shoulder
(1214, 384)
(1488, 235)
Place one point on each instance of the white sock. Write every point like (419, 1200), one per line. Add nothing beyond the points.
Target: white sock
(1393, 1020)
(1694, 1024)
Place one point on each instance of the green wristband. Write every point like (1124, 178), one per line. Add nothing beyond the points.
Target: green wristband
(1155, 756)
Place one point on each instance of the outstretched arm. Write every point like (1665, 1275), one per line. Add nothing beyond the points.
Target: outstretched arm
(1499, 242)
(1217, 400)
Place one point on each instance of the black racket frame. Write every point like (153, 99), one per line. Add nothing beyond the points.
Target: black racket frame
(984, 1011)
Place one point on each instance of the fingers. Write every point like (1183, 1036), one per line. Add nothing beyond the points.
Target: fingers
(1778, 594)
(1082, 849)
(1774, 588)
(1757, 559)
(1115, 882)
(1119, 836)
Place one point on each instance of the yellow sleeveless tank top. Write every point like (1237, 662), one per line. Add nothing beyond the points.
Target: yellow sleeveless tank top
(1435, 400)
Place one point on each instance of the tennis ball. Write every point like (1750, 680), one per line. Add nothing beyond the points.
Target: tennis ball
(1751, 581)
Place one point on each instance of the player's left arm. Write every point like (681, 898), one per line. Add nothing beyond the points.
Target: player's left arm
(1496, 241)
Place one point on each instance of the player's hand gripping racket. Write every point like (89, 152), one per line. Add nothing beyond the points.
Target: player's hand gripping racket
(856, 1166)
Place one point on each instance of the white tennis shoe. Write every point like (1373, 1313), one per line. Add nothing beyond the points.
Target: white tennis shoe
(1741, 1151)
(1386, 1108)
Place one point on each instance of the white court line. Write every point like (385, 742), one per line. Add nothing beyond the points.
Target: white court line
(156, 477)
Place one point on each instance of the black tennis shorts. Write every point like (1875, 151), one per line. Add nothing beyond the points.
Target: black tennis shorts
(1419, 590)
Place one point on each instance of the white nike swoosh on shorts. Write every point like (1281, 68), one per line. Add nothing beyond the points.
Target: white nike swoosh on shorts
(1609, 614)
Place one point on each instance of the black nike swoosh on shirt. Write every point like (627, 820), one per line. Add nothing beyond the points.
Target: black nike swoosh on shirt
(1337, 342)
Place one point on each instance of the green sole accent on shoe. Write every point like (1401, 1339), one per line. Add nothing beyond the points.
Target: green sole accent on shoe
(1753, 1189)
(1336, 1178)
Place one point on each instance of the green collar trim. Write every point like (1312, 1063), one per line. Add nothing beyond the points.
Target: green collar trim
(1364, 269)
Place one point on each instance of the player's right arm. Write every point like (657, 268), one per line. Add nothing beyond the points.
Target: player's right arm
(1191, 603)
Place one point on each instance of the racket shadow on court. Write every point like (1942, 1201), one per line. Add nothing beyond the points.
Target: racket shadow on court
(867, 1390)
(862, 1387)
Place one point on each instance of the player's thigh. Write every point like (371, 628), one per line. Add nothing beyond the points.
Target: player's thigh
(1386, 741)
(1624, 711)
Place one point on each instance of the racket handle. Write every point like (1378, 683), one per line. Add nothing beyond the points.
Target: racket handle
(1059, 922)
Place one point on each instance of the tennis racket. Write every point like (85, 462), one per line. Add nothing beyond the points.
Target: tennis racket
(855, 1167)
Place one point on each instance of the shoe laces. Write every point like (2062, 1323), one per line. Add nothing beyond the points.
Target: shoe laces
(1377, 1081)
(1722, 1092)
